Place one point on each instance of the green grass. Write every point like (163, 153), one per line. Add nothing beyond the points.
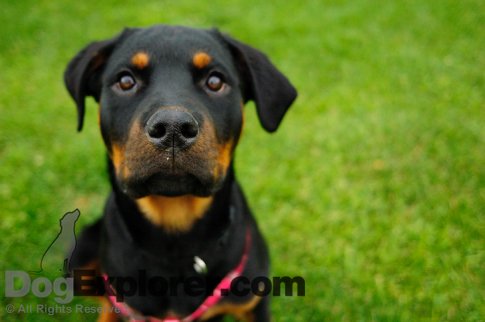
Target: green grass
(372, 190)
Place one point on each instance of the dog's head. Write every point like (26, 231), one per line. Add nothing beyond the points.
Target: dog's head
(171, 104)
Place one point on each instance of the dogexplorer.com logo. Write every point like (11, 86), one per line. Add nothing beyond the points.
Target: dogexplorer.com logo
(88, 283)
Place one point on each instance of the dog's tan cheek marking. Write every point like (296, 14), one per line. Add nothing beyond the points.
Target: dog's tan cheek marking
(118, 158)
(174, 214)
(140, 60)
(242, 312)
(224, 158)
(201, 59)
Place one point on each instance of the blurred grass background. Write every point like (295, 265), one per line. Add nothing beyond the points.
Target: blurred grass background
(372, 190)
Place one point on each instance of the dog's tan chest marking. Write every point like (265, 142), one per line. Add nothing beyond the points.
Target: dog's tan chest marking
(174, 214)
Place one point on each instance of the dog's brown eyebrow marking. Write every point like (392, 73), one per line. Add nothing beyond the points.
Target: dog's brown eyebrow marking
(140, 60)
(201, 59)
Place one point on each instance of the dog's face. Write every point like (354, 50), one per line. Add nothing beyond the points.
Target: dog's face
(171, 104)
(171, 111)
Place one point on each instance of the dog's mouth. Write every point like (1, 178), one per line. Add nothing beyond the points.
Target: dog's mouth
(168, 174)
(169, 184)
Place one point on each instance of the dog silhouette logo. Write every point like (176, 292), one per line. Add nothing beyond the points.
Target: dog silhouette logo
(64, 243)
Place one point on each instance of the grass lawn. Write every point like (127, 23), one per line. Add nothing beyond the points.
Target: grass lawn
(372, 190)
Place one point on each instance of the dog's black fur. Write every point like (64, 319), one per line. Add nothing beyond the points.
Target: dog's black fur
(170, 122)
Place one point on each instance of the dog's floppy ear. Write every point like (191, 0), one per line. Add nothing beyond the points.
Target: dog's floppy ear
(263, 83)
(82, 76)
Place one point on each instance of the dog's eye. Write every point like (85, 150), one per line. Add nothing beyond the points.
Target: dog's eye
(126, 82)
(215, 82)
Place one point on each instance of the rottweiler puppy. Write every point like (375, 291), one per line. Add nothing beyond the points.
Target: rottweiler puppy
(171, 113)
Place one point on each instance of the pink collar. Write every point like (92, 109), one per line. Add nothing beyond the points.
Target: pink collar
(210, 301)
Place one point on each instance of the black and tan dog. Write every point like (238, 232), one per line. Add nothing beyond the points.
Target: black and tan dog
(171, 114)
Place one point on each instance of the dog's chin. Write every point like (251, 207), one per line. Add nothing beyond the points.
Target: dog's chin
(170, 185)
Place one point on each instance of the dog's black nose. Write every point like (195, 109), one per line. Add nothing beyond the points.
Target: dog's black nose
(172, 129)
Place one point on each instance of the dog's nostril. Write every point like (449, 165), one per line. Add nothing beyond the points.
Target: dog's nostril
(157, 131)
(189, 130)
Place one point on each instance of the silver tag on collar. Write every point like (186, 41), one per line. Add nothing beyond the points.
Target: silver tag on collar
(199, 265)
